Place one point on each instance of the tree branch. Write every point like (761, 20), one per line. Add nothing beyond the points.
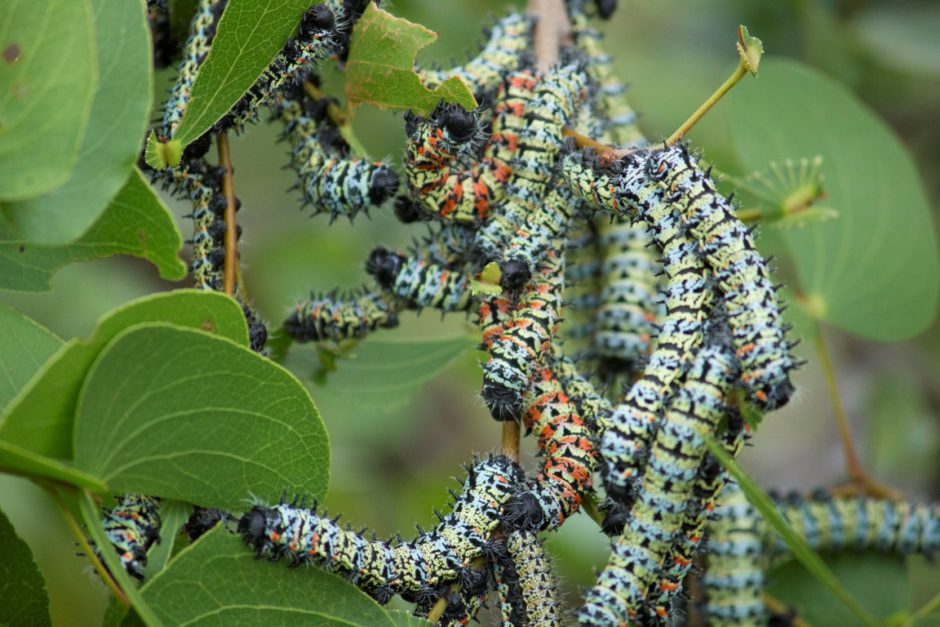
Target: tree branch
(231, 234)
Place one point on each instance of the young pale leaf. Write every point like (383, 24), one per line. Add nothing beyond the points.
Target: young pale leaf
(218, 580)
(119, 116)
(48, 74)
(874, 270)
(794, 541)
(25, 347)
(183, 414)
(40, 418)
(249, 36)
(23, 598)
(173, 515)
(135, 223)
(380, 70)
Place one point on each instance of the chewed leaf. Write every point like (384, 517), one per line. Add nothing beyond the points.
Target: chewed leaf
(488, 283)
(380, 70)
(750, 48)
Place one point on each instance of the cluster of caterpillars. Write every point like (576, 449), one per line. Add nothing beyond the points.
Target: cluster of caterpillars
(679, 325)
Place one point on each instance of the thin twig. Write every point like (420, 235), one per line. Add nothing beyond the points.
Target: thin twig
(551, 30)
(736, 76)
(231, 234)
(859, 479)
(86, 546)
(511, 438)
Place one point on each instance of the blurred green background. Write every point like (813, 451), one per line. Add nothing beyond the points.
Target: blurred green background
(392, 463)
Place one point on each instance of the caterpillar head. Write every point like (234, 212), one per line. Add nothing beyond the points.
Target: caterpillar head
(253, 526)
(408, 210)
(504, 403)
(605, 8)
(514, 274)
(384, 266)
(523, 511)
(461, 126)
(318, 18)
(384, 185)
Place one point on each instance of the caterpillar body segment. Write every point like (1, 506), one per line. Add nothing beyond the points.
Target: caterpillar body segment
(418, 570)
(741, 274)
(330, 181)
(506, 50)
(564, 439)
(201, 33)
(525, 582)
(524, 340)
(132, 526)
(337, 317)
(418, 284)
(639, 556)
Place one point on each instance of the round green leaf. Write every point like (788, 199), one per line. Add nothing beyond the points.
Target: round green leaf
(119, 116)
(40, 417)
(873, 270)
(182, 414)
(879, 583)
(48, 74)
(218, 581)
(136, 223)
(23, 598)
(26, 345)
(379, 378)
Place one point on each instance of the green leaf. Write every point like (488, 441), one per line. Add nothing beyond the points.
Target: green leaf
(379, 378)
(25, 346)
(249, 36)
(380, 70)
(135, 223)
(40, 417)
(23, 598)
(173, 515)
(794, 541)
(874, 270)
(48, 74)
(218, 581)
(182, 414)
(19, 461)
(119, 116)
(878, 581)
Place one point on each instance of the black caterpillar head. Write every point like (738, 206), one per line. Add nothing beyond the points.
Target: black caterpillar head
(384, 185)
(252, 526)
(514, 274)
(523, 512)
(605, 8)
(504, 404)
(384, 266)
(461, 125)
(408, 210)
(317, 18)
